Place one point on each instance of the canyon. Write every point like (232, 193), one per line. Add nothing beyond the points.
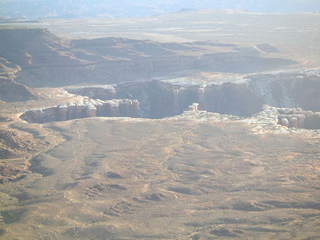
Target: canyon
(160, 99)
(104, 136)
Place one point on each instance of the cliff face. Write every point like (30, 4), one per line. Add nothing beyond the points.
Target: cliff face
(228, 98)
(289, 89)
(46, 60)
(161, 99)
(151, 99)
(88, 108)
(157, 99)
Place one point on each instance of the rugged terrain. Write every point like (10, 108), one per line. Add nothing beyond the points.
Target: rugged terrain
(196, 176)
(46, 60)
(116, 138)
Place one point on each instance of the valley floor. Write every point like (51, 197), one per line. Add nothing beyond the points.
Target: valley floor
(177, 178)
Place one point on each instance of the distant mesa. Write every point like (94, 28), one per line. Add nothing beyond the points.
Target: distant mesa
(48, 61)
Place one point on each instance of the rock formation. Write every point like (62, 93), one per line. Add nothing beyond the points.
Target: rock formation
(298, 118)
(85, 109)
(160, 99)
(288, 90)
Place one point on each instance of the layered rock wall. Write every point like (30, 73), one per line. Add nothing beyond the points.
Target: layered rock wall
(160, 99)
(89, 108)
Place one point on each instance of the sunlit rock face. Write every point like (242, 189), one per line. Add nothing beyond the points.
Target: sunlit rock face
(89, 108)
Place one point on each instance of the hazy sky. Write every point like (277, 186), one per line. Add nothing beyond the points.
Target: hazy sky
(130, 8)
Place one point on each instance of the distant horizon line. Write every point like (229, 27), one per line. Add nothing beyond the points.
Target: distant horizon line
(187, 10)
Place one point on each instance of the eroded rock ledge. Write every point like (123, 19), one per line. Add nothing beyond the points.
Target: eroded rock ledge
(85, 109)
